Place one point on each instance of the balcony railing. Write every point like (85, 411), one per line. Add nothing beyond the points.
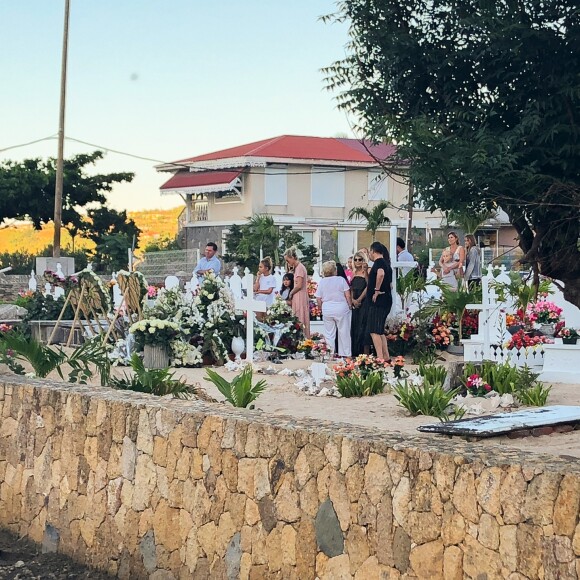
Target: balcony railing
(199, 211)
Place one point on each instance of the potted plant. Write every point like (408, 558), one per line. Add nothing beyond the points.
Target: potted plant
(154, 336)
(569, 335)
(545, 314)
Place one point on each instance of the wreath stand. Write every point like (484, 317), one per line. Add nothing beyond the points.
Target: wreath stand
(133, 294)
(87, 300)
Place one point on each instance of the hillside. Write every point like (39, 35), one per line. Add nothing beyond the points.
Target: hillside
(154, 224)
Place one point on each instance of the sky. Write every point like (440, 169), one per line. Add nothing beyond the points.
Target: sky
(165, 80)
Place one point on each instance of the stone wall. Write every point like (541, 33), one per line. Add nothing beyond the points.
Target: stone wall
(147, 487)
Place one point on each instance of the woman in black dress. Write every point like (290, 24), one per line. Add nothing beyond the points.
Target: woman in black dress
(358, 289)
(379, 297)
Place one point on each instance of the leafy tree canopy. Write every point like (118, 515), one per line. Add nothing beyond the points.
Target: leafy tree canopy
(27, 188)
(482, 99)
(27, 193)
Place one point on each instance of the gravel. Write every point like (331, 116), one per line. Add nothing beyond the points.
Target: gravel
(21, 559)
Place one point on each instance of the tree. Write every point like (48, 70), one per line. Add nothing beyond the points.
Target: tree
(244, 243)
(113, 234)
(483, 101)
(27, 188)
(375, 217)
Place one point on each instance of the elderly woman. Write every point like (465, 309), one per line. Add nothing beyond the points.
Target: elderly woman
(379, 297)
(333, 297)
(299, 294)
(472, 274)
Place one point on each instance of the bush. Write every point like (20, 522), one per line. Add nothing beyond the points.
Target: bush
(433, 374)
(426, 399)
(502, 377)
(354, 385)
(239, 392)
(160, 382)
(535, 396)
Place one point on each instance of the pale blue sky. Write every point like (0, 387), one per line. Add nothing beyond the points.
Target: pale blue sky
(165, 79)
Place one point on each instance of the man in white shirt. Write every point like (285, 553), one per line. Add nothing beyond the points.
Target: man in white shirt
(209, 263)
(403, 256)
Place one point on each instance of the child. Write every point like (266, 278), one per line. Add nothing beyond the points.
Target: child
(287, 287)
(264, 285)
(446, 263)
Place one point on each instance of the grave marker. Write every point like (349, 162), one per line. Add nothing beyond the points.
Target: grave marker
(250, 305)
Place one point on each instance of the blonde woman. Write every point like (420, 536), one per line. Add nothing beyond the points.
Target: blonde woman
(360, 307)
(333, 298)
(299, 294)
(458, 254)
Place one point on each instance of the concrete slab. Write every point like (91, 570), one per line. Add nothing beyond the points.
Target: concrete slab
(503, 423)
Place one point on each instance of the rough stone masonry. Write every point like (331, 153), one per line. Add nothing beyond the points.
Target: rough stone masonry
(143, 487)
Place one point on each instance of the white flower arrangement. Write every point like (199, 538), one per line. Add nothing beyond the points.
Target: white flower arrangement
(155, 331)
(184, 354)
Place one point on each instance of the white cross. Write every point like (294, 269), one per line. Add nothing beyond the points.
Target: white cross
(250, 306)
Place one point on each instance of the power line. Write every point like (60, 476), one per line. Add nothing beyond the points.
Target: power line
(29, 143)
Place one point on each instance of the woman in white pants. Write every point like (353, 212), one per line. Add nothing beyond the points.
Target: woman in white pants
(333, 297)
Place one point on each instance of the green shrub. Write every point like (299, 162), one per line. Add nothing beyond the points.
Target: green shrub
(354, 385)
(535, 396)
(239, 392)
(433, 374)
(43, 359)
(160, 382)
(426, 399)
(502, 377)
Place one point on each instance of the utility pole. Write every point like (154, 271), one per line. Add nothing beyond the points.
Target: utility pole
(59, 159)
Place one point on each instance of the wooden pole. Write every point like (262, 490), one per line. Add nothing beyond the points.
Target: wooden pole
(60, 156)
(59, 319)
(78, 308)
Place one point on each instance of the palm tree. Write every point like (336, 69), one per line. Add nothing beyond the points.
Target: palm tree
(469, 219)
(374, 217)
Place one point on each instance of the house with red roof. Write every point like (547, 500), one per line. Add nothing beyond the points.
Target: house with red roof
(308, 183)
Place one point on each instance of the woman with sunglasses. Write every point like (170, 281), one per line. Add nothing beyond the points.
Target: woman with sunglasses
(358, 290)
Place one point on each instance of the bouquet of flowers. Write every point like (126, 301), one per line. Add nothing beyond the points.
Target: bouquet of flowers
(522, 340)
(363, 365)
(476, 386)
(319, 347)
(470, 323)
(568, 332)
(441, 333)
(315, 312)
(281, 313)
(152, 291)
(312, 286)
(543, 312)
(305, 346)
(154, 331)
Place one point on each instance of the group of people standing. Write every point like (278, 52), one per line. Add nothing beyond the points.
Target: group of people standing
(354, 313)
(458, 264)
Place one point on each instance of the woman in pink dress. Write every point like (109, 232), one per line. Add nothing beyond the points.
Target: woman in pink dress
(299, 294)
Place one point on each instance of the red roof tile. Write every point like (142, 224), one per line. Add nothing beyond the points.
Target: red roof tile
(185, 179)
(295, 147)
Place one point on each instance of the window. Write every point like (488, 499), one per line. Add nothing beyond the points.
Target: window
(327, 186)
(276, 185)
(308, 236)
(377, 188)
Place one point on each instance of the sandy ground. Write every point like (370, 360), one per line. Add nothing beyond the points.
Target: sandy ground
(282, 397)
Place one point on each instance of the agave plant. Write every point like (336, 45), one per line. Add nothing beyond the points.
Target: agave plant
(239, 392)
(158, 382)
